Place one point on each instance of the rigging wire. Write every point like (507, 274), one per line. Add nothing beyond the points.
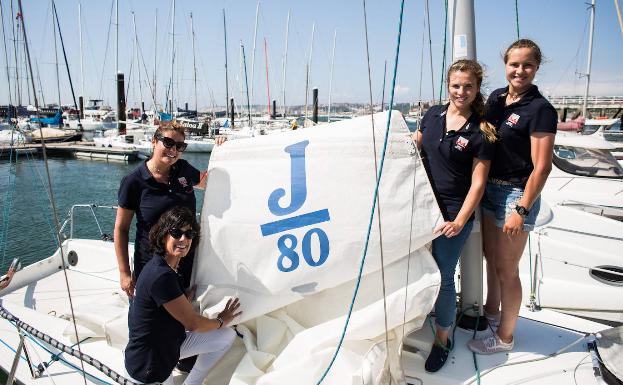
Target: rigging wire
(430, 51)
(376, 172)
(374, 200)
(50, 189)
(443, 55)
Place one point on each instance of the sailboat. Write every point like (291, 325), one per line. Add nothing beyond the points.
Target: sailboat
(323, 235)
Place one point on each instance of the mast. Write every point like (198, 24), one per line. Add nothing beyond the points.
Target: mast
(257, 11)
(331, 77)
(6, 58)
(58, 81)
(15, 32)
(138, 64)
(172, 55)
(192, 30)
(226, 77)
(430, 49)
(590, 58)
(308, 69)
(244, 61)
(81, 55)
(155, 56)
(285, 60)
(117, 36)
(267, 82)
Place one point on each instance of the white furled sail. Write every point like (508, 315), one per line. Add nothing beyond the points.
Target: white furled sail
(284, 224)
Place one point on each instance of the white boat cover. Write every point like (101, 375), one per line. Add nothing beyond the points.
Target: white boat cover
(610, 346)
(284, 223)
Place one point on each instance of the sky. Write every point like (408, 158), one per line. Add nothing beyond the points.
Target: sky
(560, 27)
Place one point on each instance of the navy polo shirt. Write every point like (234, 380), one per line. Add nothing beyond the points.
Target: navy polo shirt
(514, 124)
(140, 192)
(155, 336)
(448, 157)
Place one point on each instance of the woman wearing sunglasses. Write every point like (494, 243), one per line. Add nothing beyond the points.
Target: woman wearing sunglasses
(163, 325)
(161, 182)
(154, 186)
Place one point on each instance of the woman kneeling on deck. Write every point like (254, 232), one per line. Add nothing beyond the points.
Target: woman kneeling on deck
(163, 325)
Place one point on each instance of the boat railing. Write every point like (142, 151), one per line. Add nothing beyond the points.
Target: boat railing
(602, 208)
(69, 220)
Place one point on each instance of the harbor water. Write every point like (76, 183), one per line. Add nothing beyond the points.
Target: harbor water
(26, 220)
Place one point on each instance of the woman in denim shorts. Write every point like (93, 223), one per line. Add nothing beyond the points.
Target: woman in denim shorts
(526, 126)
(456, 147)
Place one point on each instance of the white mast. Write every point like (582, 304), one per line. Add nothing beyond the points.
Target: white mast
(192, 30)
(285, 62)
(309, 61)
(590, 58)
(155, 56)
(117, 36)
(172, 55)
(58, 82)
(138, 63)
(81, 55)
(257, 11)
(331, 77)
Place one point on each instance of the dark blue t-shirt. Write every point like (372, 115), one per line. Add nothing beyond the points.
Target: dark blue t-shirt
(448, 157)
(140, 192)
(155, 336)
(514, 123)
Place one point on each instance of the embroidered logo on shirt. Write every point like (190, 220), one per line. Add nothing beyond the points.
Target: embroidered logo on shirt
(512, 120)
(182, 181)
(461, 143)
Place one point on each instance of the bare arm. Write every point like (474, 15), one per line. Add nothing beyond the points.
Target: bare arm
(417, 138)
(541, 149)
(121, 237)
(480, 170)
(183, 312)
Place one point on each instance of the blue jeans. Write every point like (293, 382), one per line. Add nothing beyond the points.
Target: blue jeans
(446, 252)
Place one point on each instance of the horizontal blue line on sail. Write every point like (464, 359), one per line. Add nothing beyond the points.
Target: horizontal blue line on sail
(296, 222)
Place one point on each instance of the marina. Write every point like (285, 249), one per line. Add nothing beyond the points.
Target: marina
(322, 149)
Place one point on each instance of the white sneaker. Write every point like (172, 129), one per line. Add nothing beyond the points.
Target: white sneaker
(493, 319)
(490, 345)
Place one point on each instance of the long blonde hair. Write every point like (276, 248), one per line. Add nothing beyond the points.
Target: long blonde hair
(472, 66)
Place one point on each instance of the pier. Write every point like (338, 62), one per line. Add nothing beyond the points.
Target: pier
(597, 106)
(72, 149)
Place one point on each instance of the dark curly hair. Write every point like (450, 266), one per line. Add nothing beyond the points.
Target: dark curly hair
(177, 217)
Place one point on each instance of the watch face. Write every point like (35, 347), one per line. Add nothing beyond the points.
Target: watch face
(521, 210)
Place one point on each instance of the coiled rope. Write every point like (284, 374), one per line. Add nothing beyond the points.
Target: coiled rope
(374, 200)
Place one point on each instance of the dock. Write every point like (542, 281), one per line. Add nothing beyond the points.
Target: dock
(83, 150)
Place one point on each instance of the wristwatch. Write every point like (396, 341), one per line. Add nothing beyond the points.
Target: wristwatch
(522, 211)
(220, 320)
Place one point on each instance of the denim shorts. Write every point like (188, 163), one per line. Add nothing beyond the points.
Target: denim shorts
(499, 202)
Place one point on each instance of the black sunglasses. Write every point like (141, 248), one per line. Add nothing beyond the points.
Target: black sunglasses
(169, 143)
(177, 233)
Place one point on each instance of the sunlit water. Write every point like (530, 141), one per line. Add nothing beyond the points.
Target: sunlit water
(26, 220)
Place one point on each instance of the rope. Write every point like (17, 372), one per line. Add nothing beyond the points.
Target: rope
(443, 56)
(376, 192)
(517, 17)
(65, 349)
(378, 201)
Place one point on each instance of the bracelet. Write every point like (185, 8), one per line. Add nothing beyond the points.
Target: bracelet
(220, 320)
